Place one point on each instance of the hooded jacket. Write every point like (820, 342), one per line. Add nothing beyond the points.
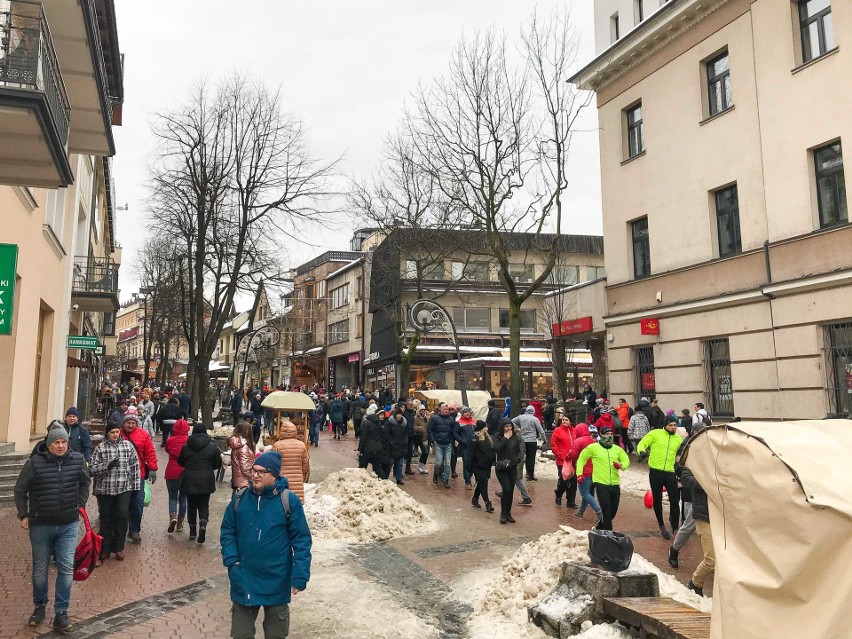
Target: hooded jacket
(80, 439)
(175, 444)
(663, 446)
(374, 443)
(50, 489)
(481, 453)
(699, 497)
(242, 459)
(295, 463)
(265, 554)
(561, 441)
(530, 426)
(605, 420)
(638, 426)
(582, 441)
(200, 458)
(603, 471)
(398, 432)
(141, 441)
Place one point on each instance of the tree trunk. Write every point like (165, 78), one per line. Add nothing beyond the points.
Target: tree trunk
(559, 369)
(515, 381)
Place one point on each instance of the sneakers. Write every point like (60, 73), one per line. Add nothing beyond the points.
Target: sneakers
(400, 482)
(600, 519)
(532, 478)
(572, 505)
(179, 524)
(172, 522)
(135, 538)
(192, 533)
(61, 623)
(37, 617)
(698, 591)
(577, 515)
(665, 533)
(446, 484)
(526, 501)
(435, 478)
(422, 469)
(673, 557)
(408, 470)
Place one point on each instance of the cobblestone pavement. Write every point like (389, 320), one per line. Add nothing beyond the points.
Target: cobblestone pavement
(171, 587)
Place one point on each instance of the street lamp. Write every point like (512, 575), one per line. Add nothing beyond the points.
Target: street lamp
(429, 316)
(251, 343)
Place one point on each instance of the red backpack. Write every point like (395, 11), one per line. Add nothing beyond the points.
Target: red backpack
(88, 551)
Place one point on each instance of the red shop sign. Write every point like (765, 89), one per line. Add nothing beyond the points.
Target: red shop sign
(650, 326)
(572, 327)
(649, 382)
(354, 358)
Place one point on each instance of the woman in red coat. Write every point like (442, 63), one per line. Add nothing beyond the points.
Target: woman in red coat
(174, 471)
(560, 443)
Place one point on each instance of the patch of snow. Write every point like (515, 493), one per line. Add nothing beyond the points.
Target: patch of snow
(355, 505)
(561, 606)
(605, 631)
(223, 431)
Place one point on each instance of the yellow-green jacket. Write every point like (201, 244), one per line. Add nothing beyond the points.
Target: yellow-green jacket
(602, 458)
(663, 447)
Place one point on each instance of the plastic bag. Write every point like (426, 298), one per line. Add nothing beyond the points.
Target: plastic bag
(567, 470)
(147, 501)
(612, 551)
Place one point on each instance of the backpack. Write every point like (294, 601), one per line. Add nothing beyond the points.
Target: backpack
(706, 420)
(88, 551)
(285, 501)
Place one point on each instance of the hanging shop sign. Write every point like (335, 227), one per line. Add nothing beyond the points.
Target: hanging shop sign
(650, 326)
(355, 358)
(83, 342)
(8, 268)
(573, 327)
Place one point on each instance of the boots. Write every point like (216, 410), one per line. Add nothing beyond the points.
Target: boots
(475, 502)
(435, 478)
(172, 522)
(673, 557)
(421, 469)
(179, 524)
(408, 470)
(488, 507)
(192, 533)
(202, 531)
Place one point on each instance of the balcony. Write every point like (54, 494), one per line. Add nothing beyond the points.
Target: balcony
(94, 285)
(34, 107)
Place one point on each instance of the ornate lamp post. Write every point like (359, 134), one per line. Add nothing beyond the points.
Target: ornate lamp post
(430, 317)
(251, 343)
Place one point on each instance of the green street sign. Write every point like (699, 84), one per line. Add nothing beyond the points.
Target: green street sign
(8, 269)
(100, 350)
(83, 342)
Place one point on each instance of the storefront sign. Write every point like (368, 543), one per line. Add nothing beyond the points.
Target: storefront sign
(372, 357)
(83, 342)
(649, 382)
(332, 365)
(650, 326)
(354, 358)
(8, 268)
(573, 327)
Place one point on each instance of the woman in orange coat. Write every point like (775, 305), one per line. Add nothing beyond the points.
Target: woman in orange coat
(295, 464)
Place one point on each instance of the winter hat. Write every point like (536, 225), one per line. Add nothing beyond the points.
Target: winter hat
(72, 411)
(248, 416)
(603, 430)
(108, 427)
(530, 409)
(56, 433)
(491, 403)
(131, 410)
(199, 428)
(505, 421)
(466, 409)
(599, 400)
(130, 417)
(670, 411)
(480, 425)
(593, 430)
(271, 461)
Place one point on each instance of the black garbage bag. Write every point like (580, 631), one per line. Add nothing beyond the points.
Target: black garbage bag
(610, 550)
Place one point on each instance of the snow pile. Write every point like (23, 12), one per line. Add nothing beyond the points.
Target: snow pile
(355, 505)
(605, 631)
(558, 606)
(223, 431)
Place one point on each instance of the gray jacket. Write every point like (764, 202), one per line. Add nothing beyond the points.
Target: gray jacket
(531, 429)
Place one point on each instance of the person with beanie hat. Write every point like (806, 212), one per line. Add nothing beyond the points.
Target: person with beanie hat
(79, 438)
(147, 457)
(492, 419)
(607, 461)
(200, 458)
(259, 577)
(481, 461)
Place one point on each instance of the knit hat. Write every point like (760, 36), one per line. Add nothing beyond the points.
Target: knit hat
(56, 433)
(108, 427)
(72, 411)
(480, 425)
(670, 411)
(130, 417)
(198, 427)
(131, 410)
(271, 461)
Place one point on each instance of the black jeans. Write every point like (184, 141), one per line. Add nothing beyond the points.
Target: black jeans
(356, 423)
(532, 449)
(608, 498)
(658, 479)
(481, 488)
(115, 516)
(566, 486)
(197, 505)
(381, 469)
(507, 486)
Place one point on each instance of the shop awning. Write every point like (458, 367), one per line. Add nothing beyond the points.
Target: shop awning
(74, 362)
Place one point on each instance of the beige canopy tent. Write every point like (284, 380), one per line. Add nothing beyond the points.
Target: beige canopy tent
(290, 402)
(478, 400)
(780, 502)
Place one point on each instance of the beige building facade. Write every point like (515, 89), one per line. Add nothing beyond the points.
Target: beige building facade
(723, 127)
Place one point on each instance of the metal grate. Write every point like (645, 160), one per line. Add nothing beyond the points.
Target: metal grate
(720, 389)
(838, 338)
(646, 383)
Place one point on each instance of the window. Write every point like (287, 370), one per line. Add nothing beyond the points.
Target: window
(562, 275)
(527, 320)
(340, 296)
(595, 273)
(309, 291)
(359, 325)
(109, 324)
(831, 186)
(728, 221)
(472, 271)
(614, 30)
(719, 84)
(639, 10)
(641, 248)
(54, 212)
(635, 135)
(646, 384)
(522, 273)
(359, 287)
(719, 387)
(429, 270)
(472, 320)
(817, 28)
(839, 346)
(338, 332)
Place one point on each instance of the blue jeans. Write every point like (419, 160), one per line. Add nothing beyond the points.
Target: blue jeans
(585, 487)
(397, 467)
(62, 542)
(177, 498)
(137, 507)
(313, 433)
(443, 455)
(464, 452)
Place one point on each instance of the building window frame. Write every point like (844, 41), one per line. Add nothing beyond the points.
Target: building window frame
(641, 242)
(340, 296)
(639, 10)
(527, 319)
(643, 364)
(338, 332)
(460, 319)
(728, 233)
(821, 25)
(719, 387)
(830, 185)
(838, 348)
(635, 130)
(614, 28)
(719, 92)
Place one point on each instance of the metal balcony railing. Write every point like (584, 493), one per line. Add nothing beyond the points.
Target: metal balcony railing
(94, 276)
(28, 60)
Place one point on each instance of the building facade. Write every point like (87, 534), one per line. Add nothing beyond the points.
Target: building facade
(722, 138)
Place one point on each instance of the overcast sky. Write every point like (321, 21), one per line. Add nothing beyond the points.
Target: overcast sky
(346, 68)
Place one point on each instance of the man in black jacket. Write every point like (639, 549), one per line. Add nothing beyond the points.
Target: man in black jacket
(492, 420)
(374, 446)
(442, 431)
(52, 486)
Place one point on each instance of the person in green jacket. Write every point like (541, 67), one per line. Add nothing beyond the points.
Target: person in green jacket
(607, 461)
(660, 446)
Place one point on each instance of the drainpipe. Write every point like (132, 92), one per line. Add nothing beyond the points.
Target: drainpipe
(769, 297)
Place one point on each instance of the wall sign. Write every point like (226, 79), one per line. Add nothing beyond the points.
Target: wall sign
(83, 342)
(572, 327)
(8, 268)
(650, 326)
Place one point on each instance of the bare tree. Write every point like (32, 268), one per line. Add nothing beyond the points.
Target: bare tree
(495, 134)
(232, 178)
(557, 308)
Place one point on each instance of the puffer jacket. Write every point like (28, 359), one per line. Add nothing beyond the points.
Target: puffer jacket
(295, 463)
(200, 458)
(465, 432)
(174, 445)
(562, 440)
(242, 459)
(605, 421)
(638, 426)
(122, 477)
(141, 440)
(374, 443)
(50, 489)
(265, 554)
(581, 442)
(421, 423)
(442, 429)
(663, 446)
(398, 433)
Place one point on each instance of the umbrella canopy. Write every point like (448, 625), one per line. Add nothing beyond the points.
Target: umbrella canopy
(288, 400)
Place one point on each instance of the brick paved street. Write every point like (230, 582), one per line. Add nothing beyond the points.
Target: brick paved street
(170, 587)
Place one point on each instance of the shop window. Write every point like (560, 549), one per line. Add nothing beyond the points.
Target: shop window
(646, 384)
(472, 320)
(838, 339)
(720, 390)
(526, 317)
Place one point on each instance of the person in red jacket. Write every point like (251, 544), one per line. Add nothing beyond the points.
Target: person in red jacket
(584, 475)
(141, 441)
(538, 408)
(561, 442)
(174, 471)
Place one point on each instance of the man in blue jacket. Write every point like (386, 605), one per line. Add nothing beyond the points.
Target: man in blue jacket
(266, 550)
(442, 430)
